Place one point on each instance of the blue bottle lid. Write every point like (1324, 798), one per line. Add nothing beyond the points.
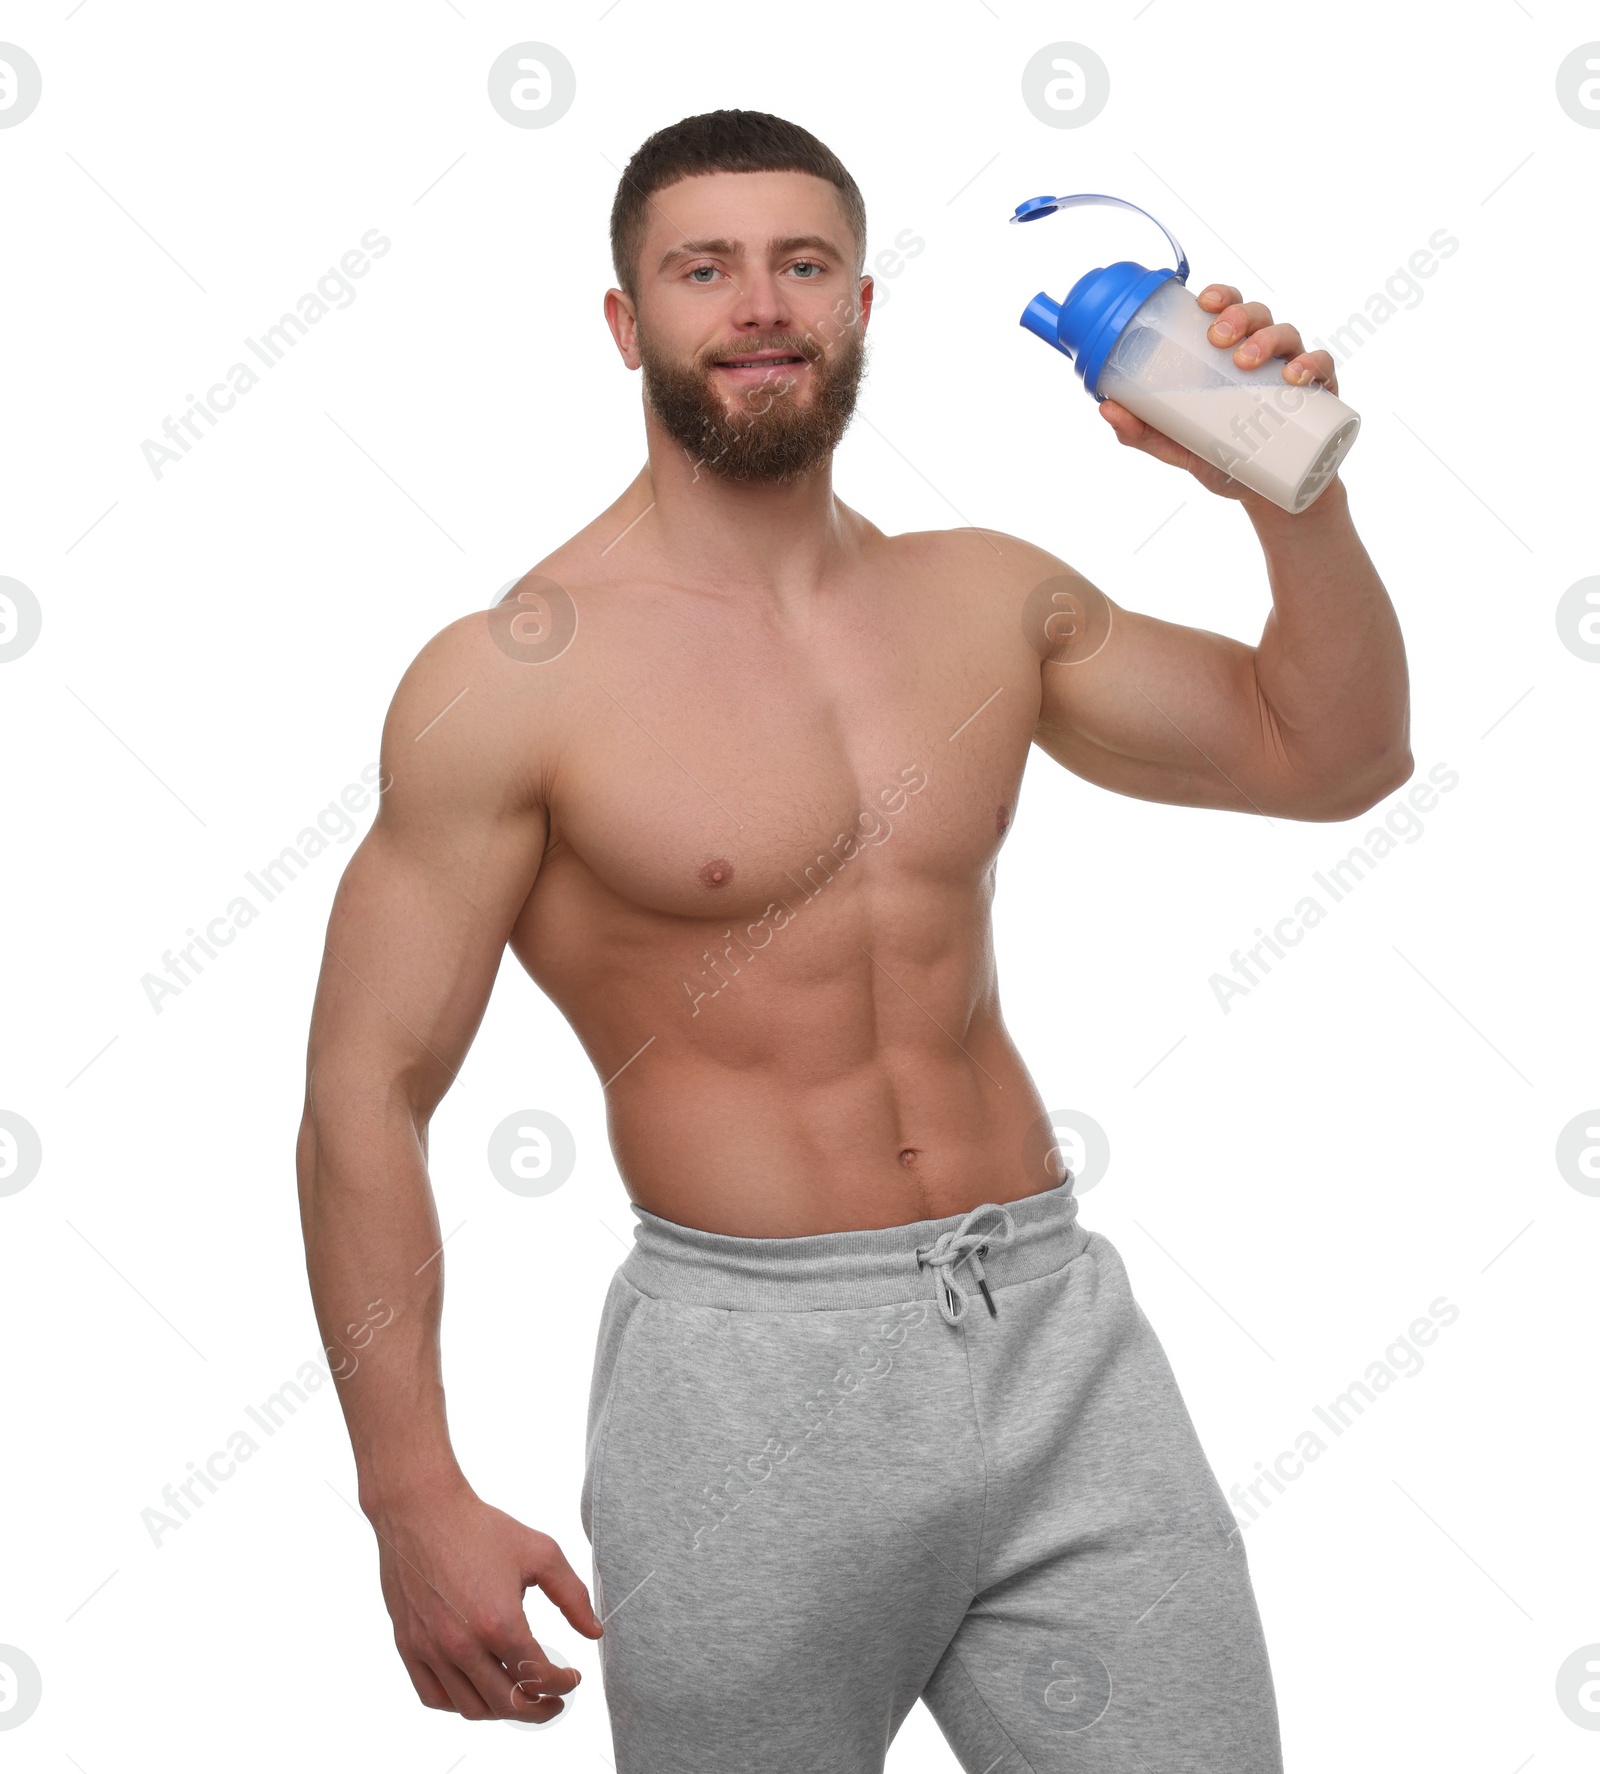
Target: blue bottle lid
(1101, 303)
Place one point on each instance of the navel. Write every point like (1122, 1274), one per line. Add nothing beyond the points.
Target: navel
(716, 873)
(909, 1155)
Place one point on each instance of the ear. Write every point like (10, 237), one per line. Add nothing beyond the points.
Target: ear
(624, 323)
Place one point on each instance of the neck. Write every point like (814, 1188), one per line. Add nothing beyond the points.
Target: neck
(778, 540)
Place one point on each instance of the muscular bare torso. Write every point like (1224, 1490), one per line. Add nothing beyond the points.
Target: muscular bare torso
(764, 902)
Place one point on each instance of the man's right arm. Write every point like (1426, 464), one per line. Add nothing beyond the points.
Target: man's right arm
(418, 927)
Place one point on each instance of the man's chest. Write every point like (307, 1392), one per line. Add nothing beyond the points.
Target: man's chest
(725, 764)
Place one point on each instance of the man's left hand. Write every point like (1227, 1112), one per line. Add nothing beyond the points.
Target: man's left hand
(1248, 329)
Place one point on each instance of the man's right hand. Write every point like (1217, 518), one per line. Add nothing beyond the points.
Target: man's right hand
(453, 1570)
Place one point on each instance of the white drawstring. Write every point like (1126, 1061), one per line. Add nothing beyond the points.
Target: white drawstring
(963, 1244)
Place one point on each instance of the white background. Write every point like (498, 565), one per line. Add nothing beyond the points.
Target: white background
(1291, 1182)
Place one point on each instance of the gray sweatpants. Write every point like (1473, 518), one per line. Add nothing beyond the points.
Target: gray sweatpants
(826, 1476)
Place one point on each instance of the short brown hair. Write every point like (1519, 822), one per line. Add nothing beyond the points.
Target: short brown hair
(720, 141)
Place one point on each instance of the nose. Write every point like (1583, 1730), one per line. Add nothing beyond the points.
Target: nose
(760, 301)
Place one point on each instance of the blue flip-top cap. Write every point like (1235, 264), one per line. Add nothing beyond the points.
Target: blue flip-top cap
(1101, 303)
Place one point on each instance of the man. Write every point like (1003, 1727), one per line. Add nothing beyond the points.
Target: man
(873, 1416)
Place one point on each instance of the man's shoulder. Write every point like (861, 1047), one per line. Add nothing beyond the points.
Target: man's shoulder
(1000, 559)
(490, 684)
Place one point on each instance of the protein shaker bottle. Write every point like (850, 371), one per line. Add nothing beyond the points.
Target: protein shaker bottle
(1139, 337)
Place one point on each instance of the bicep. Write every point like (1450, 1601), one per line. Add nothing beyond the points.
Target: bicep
(1164, 712)
(1150, 708)
(427, 902)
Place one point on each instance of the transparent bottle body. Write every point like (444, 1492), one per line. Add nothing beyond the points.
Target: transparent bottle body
(1281, 439)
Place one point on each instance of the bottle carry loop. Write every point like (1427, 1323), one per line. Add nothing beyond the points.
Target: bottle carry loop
(1037, 208)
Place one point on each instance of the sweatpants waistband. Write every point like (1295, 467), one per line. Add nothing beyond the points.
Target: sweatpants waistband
(827, 1271)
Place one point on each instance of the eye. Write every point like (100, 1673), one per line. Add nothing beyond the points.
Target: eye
(814, 266)
(695, 273)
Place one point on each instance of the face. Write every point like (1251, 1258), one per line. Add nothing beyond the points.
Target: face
(751, 321)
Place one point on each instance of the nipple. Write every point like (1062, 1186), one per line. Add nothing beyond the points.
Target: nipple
(1002, 819)
(716, 873)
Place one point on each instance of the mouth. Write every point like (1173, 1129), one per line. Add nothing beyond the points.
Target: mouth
(753, 366)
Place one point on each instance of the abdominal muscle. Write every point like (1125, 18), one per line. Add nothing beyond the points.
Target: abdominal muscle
(854, 1072)
(900, 1134)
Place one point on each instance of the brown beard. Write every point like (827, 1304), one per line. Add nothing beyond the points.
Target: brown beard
(764, 433)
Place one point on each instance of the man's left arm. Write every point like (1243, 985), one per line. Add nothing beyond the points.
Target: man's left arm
(1310, 723)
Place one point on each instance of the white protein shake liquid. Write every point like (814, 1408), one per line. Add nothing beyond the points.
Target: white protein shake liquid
(1283, 448)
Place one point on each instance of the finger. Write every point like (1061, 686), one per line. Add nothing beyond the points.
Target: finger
(537, 1674)
(463, 1691)
(533, 1708)
(529, 1672)
(1281, 340)
(546, 1565)
(1237, 321)
(1312, 366)
(506, 1694)
(541, 1683)
(430, 1691)
(1129, 427)
(1218, 296)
